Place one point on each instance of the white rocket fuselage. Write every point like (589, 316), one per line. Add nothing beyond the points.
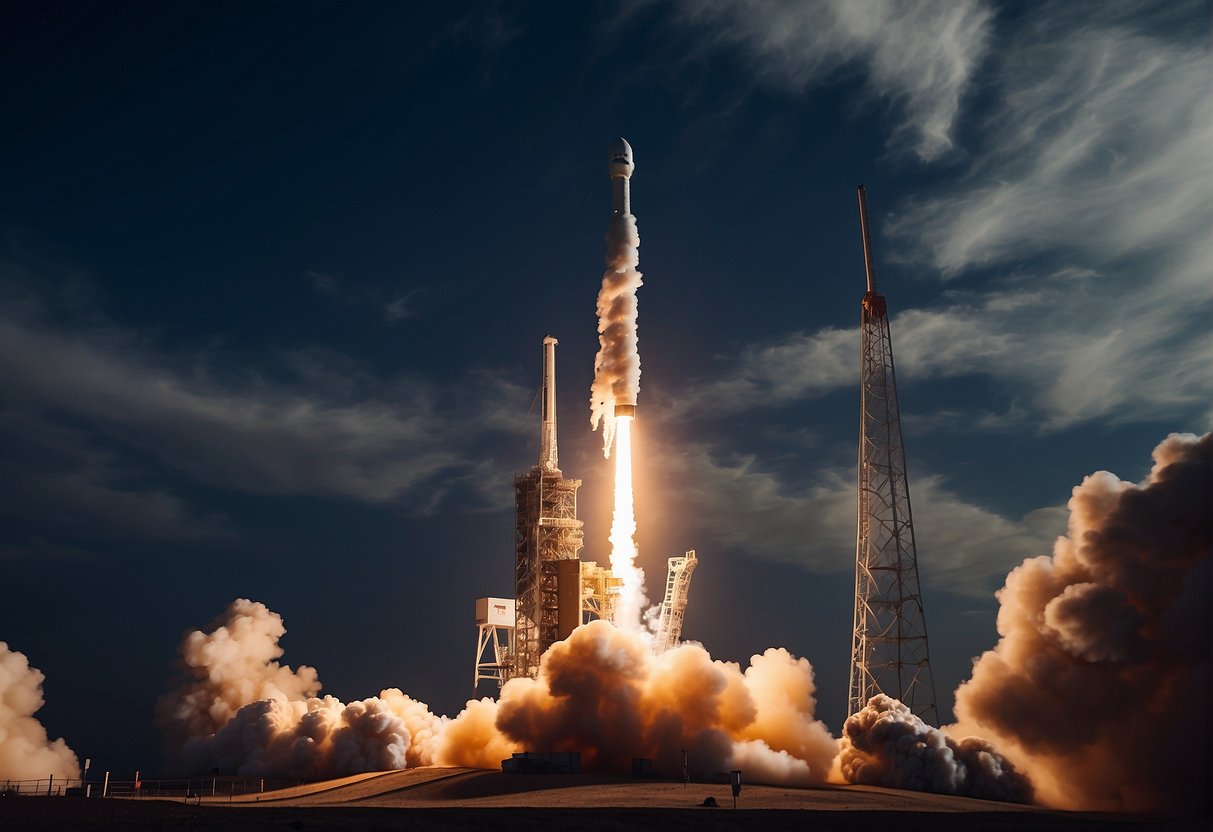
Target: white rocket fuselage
(620, 167)
(621, 195)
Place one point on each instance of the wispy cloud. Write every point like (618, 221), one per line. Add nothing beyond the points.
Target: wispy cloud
(736, 503)
(324, 283)
(1080, 235)
(401, 306)
(97, 416)
(920, 56)
(403, 303)
(72, 487)
(1097, 147)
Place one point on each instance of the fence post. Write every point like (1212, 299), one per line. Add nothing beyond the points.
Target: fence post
(105, 787)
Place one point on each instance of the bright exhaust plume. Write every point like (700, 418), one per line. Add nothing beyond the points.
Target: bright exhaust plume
(632, 598)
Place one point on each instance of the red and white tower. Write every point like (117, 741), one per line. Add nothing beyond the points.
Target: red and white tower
(889, 644)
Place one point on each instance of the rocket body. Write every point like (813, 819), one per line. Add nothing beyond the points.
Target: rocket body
(620, 167)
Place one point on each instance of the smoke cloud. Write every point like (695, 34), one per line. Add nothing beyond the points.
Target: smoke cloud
(1099, 684)
(25, 751)
(244, 713)
(601, 692)
(885, 744)
(617, 364)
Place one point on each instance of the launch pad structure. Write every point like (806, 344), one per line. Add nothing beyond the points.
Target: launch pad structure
(674, 605)
(889, 643)
(556, 591)
(547, 543)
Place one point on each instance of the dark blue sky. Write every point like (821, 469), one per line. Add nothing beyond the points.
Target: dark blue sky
(273, 282)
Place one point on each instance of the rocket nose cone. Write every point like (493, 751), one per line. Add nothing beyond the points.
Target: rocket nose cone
(620, 156)
(620, 147)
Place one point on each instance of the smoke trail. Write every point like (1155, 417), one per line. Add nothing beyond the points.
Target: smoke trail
(1099, 684)
(244, 713)
(25, 751)
(601, 692)
(885, 744)
(617, 365)
(617, 381)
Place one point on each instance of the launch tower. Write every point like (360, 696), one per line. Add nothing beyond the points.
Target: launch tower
(547, 541)
(889, 644)
(674, 606)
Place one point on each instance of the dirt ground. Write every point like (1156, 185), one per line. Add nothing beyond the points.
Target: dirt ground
(420, 800)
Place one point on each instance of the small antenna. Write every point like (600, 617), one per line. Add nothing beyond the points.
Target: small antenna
(868, 264)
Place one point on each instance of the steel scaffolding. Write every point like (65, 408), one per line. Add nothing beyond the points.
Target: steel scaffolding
(889, 645)
(546, 532)
(673, 607)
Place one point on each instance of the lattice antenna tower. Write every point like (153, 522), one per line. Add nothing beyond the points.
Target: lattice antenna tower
(547, 534)
(889, 644)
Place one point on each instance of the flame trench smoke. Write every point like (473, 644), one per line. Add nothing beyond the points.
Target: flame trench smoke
(601, 692)
(244, 713)
(25, 751)
(886, 744)
(1098, 688)
(1099, 684)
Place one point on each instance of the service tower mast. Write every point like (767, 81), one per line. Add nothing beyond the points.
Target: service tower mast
(889, 643)
(547, 542)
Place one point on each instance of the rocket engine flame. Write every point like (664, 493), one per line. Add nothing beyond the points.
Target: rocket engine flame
(623, 533)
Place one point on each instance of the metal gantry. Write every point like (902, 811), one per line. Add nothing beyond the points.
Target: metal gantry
(495, 630)
(889, 644)
(546, 533)
(673, 607)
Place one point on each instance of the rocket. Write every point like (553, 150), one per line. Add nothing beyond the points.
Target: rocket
(620, 169)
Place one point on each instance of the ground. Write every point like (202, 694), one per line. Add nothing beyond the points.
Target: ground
(448, 799)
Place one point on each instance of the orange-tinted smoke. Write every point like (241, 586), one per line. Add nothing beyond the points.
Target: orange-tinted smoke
(601, 692)
(1099, 684)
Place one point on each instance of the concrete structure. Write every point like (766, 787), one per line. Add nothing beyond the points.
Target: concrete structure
(889, 641)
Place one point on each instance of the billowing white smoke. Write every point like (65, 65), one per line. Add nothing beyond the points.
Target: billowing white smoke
(601, 692)
(244, 713)
(617, 365)
(25, 751)
(885, 744)
(1099, 685)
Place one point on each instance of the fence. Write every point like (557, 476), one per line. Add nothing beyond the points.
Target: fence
(211, 786)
